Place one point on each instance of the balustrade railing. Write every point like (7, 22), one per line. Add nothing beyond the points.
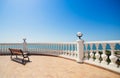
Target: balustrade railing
(4, 47)
(68, 50)
(103, 54)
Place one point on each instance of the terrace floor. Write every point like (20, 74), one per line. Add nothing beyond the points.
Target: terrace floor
(51, 67)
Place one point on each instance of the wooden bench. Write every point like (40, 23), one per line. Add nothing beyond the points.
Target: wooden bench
(20, 53)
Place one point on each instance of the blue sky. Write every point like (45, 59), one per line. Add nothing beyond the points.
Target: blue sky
(59, 20)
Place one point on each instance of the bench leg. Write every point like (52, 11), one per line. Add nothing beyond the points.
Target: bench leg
(11, 57)
(23, 61)
(28, 59)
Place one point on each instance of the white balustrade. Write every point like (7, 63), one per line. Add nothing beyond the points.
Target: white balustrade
(71, 50)
(112, 65)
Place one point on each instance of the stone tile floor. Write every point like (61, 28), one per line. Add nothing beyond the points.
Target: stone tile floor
(51, 67)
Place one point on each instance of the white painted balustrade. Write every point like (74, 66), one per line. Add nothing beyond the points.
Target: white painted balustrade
(4, 47)
(72, 50)
(67, 50)
(95, 58)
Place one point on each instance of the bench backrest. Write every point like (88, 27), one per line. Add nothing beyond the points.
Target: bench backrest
(16, 51)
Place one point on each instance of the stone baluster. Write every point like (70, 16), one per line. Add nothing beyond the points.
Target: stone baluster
(68, 53)
(71, 50)
(51, 48)
(6, 48)
(58, 49)
(48, 47)
(68, 50)
(62, 51)
(76, 54)
(3, 48)
(41, 47)
(113, 58)
(45, 48)
(54, 48)
(75, 51)
(65, 52)
(0, 49)
(87, 51)
(71, 53)
(97, 55)
(36, 48)
(104, 57)
(91, 53)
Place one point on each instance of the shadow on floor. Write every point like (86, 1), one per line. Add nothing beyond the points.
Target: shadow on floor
(20, 60)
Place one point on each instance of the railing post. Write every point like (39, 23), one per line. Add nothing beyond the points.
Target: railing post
(80, 48)
(24, 45)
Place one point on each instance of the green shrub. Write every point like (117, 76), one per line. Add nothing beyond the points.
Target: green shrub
(94, 55)
(88, 55)
(118, 62)
(108, 53)
(117, 52)
(100, 52)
